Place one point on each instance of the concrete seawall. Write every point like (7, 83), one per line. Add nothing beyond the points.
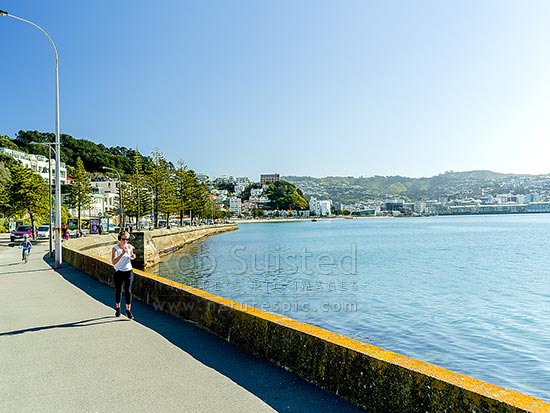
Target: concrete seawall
(371, 377)
(149, 245)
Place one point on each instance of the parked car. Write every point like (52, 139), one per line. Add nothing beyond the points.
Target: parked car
(20, 232)
(43, 232)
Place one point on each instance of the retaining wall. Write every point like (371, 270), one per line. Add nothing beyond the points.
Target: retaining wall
(149, 245)
(371, 377)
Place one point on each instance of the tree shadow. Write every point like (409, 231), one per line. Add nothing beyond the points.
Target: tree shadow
(282, 390)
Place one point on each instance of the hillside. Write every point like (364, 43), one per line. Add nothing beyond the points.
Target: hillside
(94, 155)
(450, 185)
(341, 189)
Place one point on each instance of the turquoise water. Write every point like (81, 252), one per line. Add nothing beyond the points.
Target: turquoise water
(471, 294)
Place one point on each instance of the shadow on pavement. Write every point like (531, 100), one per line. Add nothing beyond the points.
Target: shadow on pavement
(81, 323)
(23, 270)
(282, 390)
(11, 264)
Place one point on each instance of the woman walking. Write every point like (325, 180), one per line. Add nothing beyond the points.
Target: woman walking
(121, 257)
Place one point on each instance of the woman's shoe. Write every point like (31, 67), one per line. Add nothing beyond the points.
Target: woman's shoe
(129, 314)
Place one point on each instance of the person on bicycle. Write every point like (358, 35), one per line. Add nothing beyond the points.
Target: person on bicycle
(26, 246)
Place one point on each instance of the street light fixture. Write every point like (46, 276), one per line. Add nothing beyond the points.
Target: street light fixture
(58, 252)
(119, 196)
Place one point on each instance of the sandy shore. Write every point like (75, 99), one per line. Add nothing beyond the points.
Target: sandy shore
(248, 221)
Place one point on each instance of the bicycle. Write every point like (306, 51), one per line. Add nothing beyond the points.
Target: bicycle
(26, 253)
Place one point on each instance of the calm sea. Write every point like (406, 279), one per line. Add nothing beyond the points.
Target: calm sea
(471, 294)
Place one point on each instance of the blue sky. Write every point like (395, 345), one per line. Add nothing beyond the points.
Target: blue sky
(320, 88)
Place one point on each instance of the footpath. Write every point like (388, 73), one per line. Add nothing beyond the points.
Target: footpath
(62, 349)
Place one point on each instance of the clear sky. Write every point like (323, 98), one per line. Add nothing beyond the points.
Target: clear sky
(307, 87)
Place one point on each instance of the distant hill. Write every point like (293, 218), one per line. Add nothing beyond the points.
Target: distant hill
(341, 189)
(450, 185)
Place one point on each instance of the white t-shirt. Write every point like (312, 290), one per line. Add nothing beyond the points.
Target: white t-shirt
(124, 264)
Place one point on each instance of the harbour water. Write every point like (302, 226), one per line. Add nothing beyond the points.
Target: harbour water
(468, 293)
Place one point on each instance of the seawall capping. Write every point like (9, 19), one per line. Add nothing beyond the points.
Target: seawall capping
(512, 397)
(259, 332)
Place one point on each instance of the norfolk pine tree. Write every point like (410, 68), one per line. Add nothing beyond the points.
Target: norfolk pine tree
(80, 190)
(160, 179)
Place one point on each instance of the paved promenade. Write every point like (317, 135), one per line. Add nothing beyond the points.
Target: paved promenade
(62, 349)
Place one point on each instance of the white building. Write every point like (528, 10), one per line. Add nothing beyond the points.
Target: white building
(259, 201)
(510, 199)
(321, 208)
(38, 164)
(239, 188)
(104, 200)
(235, 205)
(241, 183)
(202, 178)
(256, 192)
(242, 180)
(220, 192)
(224, 179)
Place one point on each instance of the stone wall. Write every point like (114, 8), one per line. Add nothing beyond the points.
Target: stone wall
(149, 246)
(371, 377)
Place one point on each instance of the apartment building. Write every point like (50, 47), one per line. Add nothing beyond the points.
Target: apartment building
(39, 164)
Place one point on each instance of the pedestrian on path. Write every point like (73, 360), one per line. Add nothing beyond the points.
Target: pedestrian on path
(121, 257)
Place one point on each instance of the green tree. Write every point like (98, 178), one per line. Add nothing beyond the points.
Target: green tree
(284, 196)
(182, 184)
(5, 182)
(28, 193)
(198, 200)
(134, 204)
(160, 175)
(94, 156)
(229, 186)
(256, 212)
(6, 142)
(246, 193)
(191, 194)
(80, 190)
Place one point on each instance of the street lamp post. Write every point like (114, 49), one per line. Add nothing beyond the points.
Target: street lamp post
(119, 196)
(49, 189)
(58, 252)
(152, 201)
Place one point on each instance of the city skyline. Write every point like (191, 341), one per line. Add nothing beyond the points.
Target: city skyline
(310, 89)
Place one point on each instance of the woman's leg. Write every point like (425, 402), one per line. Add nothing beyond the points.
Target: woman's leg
(128, 279)
(119, 279)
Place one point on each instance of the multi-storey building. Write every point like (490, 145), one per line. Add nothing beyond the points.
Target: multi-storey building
(510, 199)
(235, 205)
(39, 164)
(224, 179)
(242, 180)
(104, 200)
(321, 208)
(266, 179)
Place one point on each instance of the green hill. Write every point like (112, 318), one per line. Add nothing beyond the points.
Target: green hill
(94, 155)
(450, 185)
